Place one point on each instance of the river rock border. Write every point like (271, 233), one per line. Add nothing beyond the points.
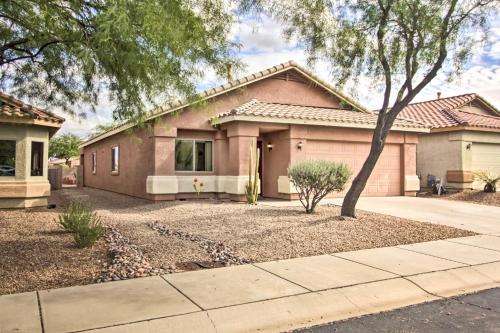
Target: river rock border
(127, 260)
(218, 251)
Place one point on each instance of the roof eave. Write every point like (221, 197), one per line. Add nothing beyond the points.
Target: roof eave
(464, 128)
(216, 121)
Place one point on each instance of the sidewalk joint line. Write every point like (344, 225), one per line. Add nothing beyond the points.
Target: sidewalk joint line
(40, 311)
(183, 294)
(278, 276)
(361, 263)
(134, 322)
(213, 323)
(471, 245)
(432, 255)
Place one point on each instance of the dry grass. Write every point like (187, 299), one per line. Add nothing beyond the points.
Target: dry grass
(36, 254)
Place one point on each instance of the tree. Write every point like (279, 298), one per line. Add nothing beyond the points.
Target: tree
(315, 179)
(402, 44)
(65, 53)
(64, 146)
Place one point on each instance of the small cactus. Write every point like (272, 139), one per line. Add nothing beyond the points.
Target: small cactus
(252, 187)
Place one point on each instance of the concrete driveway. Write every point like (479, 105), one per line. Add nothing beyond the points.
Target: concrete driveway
(478, 218)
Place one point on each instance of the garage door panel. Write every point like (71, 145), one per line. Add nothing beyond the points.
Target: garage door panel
(485, 157)
(386, 177)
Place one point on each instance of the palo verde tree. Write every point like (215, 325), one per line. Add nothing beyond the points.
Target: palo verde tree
(64, 146)
(400, 44)
(65, 53)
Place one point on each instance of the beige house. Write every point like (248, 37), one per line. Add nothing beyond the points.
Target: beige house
(465, 138)
(24, 140)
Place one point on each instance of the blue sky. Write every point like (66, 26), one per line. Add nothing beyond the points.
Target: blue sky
(264, 46)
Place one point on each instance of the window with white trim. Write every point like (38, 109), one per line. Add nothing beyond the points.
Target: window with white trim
(115, 158)
(193, 155)
(7, 158)
(94, 162)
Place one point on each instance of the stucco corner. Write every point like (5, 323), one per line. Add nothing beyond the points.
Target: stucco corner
(285, 185)
(412, 183)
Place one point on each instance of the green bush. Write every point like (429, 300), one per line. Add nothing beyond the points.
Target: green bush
(314, 179)
(85, 225)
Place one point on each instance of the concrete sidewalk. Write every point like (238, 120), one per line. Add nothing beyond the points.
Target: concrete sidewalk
(266, 297)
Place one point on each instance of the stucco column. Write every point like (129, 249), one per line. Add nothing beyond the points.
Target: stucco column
(296, 144)
(162, 184)
(411, 182)
(240, 137)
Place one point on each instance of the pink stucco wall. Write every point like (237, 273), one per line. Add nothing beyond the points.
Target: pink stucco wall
(152, 152)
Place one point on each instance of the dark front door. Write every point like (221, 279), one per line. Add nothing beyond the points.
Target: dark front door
(259, 148)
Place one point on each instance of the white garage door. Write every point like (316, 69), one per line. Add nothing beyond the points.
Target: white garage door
(485, 157)
(386, 177)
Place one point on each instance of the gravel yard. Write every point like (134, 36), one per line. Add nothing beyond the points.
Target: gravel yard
(473, 196)
(183, 235)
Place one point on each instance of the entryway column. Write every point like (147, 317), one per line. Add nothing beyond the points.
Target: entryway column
(240, 137)
(162, 184)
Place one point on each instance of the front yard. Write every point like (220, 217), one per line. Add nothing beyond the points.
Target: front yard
(146, 238)
(473, 196)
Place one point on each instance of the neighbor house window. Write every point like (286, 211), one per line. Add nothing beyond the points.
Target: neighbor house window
(115, 158)
(7, 158)
(36, 158)
(193, 155)
(94, 162)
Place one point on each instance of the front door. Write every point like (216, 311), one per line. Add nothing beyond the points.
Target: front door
(259, 148)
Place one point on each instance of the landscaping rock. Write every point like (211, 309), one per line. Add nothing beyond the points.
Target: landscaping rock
(127, 260)
(218, 251)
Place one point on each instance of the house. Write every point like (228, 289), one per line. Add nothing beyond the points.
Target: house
(73, 162)
(24, 140)
(465, 138)
(287, 111)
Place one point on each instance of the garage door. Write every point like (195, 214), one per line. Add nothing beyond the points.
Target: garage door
(385, 179)
(485, 157)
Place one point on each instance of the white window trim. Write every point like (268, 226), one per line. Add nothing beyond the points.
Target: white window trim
(94, 162)
(194, 166)
(115, 172)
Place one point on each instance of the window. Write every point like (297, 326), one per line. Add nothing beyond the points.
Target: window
(36, 158)
(193, 155)
(94, 162)
(7, 158)
(115, 157)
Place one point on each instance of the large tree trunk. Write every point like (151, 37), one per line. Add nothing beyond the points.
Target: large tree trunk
(359, 182)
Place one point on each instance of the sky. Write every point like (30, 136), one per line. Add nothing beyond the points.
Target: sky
(264, 46)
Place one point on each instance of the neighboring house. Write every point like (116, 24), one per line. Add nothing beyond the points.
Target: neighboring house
(286, 110)
(24, 140)
(73, 161)
(465, 138)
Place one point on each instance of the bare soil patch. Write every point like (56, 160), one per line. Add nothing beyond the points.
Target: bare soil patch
(473, 196)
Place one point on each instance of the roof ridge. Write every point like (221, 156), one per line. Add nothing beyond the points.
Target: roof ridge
(444, 98)
(478, 114)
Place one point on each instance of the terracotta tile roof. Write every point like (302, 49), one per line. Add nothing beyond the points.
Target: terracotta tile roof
(13, 107)
(232, 85)
(445, 112)
(288, 112)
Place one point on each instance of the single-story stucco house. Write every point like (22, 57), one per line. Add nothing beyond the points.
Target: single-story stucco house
(24, 144)
(286, 110)
(464, 139)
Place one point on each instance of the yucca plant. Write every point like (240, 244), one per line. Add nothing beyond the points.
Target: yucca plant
(252, 187)
(490, 181)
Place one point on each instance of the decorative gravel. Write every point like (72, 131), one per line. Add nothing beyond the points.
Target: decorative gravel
(477, 197)
(36, 254)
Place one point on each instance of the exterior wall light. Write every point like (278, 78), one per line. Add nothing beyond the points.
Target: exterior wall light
(270, 146)
(299, 145)
(468, 146)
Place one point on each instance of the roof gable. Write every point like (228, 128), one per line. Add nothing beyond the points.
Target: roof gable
(454, 112)
(294, 71)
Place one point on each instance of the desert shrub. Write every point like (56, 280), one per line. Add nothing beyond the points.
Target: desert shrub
(314, 179)
(490, 181)
(85, 225)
